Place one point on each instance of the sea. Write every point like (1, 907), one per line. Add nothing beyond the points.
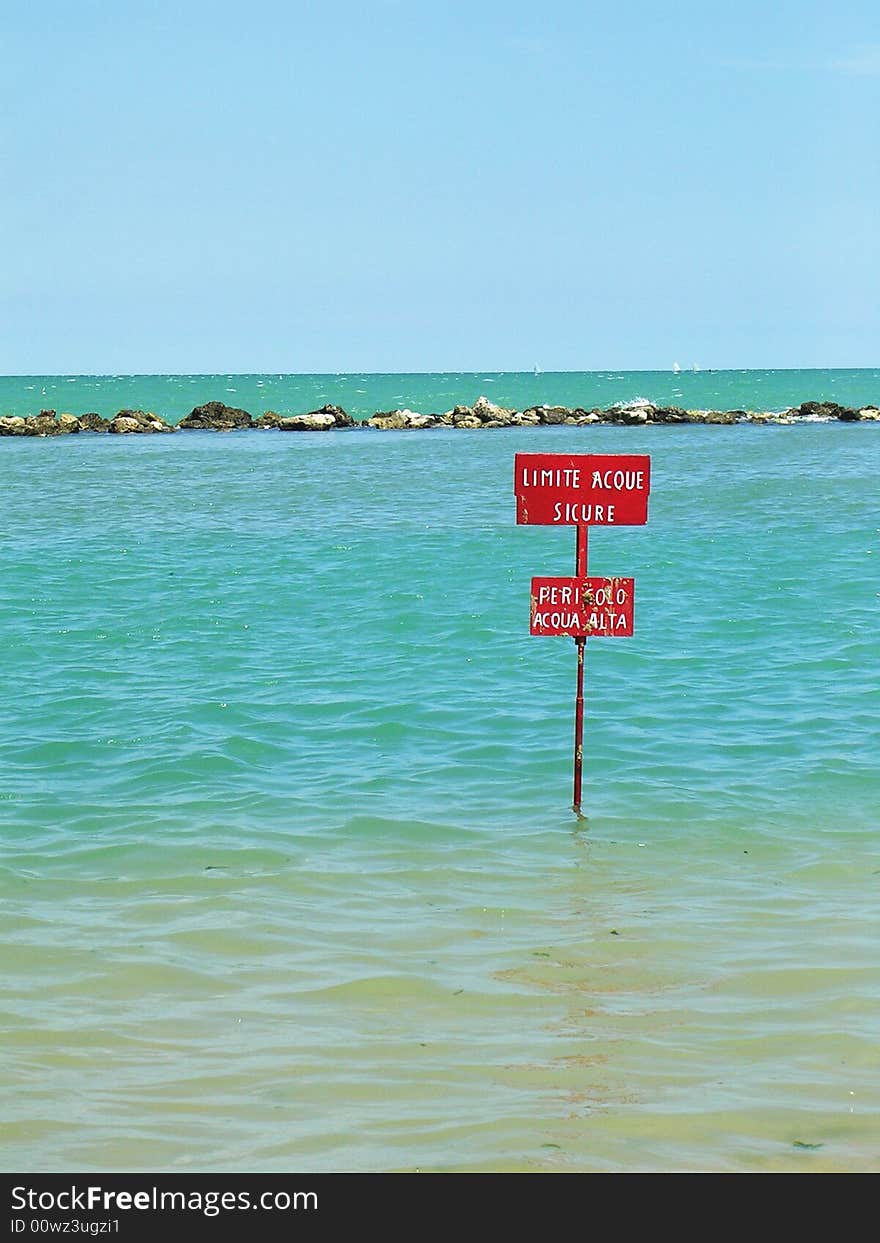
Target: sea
(173, 396)
(290, 878)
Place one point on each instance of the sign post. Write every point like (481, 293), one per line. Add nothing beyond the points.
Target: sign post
(582, 490)
(580, 642)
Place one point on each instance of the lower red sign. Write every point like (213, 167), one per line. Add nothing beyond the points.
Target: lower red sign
(593, 608)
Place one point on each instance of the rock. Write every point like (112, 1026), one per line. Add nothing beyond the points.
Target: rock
(43, 424)
(138, 422)
(670, 414)
(339, 415)
(48, 423)
(767, 417)
(551, 415)
(388, 421)
(719, 416)
(629, 412)
(626, 414)
(215, 416)
(814, 409)
(401, 420)
(314, 421)
(639, 410)
(483, 413)
(307, 423)
(823, 410)
(487, 412)
(15, 425)
(121, 424)
(870, 414)
(93, 422)
(584, 420)
(525, 418)
(703, 416)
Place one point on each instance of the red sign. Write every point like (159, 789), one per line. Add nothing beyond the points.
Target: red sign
(582, 489)
(593, 608)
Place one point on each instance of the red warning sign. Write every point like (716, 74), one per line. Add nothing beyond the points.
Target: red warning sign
(593, 608)
(582, 489)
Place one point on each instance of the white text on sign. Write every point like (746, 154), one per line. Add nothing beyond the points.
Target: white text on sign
(583, 607)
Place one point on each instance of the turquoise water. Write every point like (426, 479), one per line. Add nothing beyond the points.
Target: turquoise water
(289, 875)
(363, 395)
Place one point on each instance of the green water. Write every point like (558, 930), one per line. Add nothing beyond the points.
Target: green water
(289, 878)
(362, 395)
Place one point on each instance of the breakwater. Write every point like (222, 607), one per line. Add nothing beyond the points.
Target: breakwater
(483, 414)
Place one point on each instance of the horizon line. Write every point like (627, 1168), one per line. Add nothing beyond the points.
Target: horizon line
(683, 371)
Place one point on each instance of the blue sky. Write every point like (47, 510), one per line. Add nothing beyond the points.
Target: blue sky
(390, 186)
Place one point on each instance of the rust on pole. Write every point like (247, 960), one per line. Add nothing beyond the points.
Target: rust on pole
(580, 564)
(579, 728)
(580, 643)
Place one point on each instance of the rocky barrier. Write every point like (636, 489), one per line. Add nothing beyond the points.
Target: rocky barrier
(483, 414)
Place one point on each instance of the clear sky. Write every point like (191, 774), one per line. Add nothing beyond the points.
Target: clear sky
(388, 185)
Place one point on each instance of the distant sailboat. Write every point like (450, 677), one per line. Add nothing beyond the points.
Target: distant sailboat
(537, 369)
(676, 368)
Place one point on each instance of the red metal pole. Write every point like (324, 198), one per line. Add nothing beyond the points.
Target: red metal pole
(581, 571)
(579, 727)
(581, 563)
